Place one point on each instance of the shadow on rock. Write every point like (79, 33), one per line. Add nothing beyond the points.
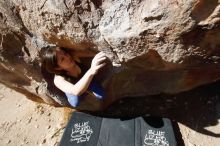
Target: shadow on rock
(196, 109)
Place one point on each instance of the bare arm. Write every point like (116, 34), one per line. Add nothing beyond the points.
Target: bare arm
(78, 89)
(82, 85)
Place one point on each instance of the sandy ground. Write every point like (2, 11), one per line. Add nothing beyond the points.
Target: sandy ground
(193, 138)
(25, 123)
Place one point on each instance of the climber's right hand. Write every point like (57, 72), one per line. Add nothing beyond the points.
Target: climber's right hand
(98, 62)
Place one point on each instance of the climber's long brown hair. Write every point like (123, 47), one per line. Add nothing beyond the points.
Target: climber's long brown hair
(49, 59)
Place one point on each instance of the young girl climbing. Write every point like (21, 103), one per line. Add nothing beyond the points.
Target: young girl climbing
(72, 76)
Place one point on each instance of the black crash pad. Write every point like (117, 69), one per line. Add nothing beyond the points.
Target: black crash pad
(87, 130)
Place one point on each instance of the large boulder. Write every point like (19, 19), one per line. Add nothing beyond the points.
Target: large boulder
(156, 46)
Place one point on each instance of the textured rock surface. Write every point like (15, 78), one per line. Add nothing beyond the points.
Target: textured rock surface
(161, 46)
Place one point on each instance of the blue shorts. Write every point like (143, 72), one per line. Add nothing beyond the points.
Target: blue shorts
(94, 87)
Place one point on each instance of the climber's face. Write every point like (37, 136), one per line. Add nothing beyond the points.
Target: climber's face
(64, 60)
(67, 63)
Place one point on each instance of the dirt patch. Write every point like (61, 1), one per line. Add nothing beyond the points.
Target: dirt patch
(26, 123)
